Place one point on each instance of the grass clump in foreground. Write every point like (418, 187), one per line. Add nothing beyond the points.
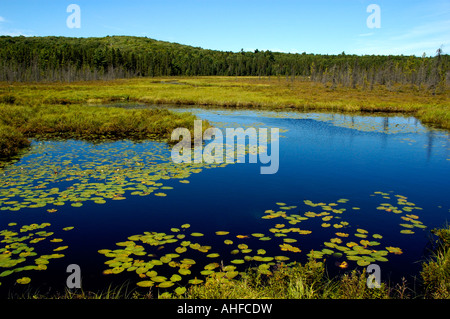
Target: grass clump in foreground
(11, 141)
(17, 122)
(307, 281)
(436, 272)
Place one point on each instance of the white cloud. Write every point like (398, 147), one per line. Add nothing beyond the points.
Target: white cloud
(366, 34)
(2, 19)
(16, 32)
(426, 30)
(426, 37)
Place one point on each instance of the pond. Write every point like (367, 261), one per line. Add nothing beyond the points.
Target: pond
(350, 190)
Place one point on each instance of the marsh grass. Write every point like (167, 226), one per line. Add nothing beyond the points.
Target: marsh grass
(308, 281)
(436, 271)
(268, 93)
(11, 141)
(17, 122)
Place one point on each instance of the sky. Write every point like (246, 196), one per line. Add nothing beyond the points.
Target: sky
(411, 27)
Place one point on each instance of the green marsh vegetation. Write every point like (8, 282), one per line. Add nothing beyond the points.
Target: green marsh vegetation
(34, 120)
(170, 73)
(73, 110)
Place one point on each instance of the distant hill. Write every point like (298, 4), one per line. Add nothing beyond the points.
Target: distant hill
(68, 59)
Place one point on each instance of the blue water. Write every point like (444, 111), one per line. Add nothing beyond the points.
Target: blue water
(323, 158)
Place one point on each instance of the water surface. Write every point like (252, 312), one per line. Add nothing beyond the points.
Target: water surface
(358, 175)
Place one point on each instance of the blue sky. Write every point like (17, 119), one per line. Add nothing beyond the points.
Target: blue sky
(313, 26)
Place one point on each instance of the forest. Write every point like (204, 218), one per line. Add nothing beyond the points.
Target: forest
(112, 57)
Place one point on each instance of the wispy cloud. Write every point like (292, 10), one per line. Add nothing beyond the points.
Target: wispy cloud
(426, 37)
(426, 30)
(366, 34)
(2, 19)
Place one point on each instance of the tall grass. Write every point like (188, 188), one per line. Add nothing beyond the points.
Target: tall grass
(18, 122)
(11, 141)
(273, 93)
(436, 271)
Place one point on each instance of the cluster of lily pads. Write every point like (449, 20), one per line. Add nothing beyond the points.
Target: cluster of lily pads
(403, 206)
(165, 259)
(365, 248)
(54, 175)
(20, 249)
(152, 254)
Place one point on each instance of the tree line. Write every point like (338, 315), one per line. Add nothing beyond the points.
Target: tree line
(71, 59)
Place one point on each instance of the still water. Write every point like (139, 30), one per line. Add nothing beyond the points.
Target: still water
(354, 189)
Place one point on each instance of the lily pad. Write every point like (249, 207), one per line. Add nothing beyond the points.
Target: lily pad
(195, 281)
(145, 283)
(222, 233)
(195, 234)
(23, 280)
(180, 290)
(184, 271)
(165, 284)
(257, 235)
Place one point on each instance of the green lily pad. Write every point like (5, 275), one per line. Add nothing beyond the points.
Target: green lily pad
(145, 283)
(180, 290)
(197, 234)
(222, 233)
(231, 274)
(184, 271)
(165, 284)
(261, 252)
(363, 263)
(23, 280)
(159, 278)
(258, 235)
(195, 281)
(187, 261)
(281, 258)
(206, 272)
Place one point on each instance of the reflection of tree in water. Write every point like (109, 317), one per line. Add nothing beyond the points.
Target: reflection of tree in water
(386, 124)
(430, 136)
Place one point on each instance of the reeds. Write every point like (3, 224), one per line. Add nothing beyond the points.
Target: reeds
(84, 122)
